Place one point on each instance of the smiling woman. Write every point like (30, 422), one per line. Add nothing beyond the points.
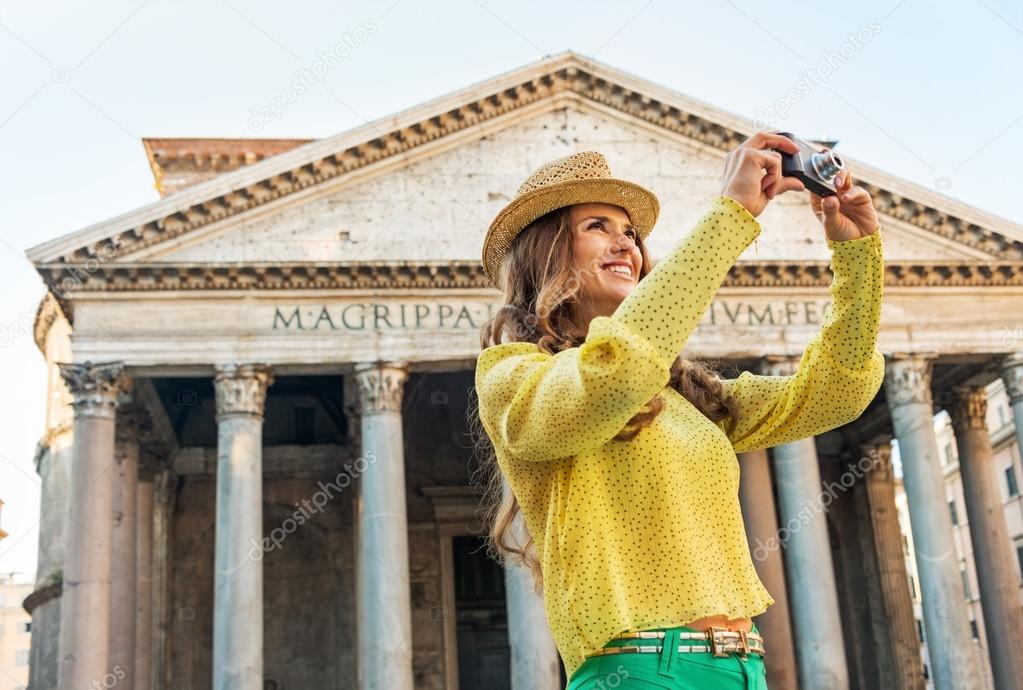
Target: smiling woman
(610, 442)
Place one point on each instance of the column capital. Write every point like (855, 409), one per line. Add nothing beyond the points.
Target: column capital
(908, 380)
(133, 424)
(380, 386)
(881, 455)
(95, 387)
(969, 408)
(1012, 376)
(241, 389)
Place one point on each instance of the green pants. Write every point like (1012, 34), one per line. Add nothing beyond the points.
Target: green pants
(670, 670)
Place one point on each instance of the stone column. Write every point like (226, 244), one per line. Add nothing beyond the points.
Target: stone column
(384, 612)
(992, 550)
(811, 576)
(124, 568)
(164, 498)
(85, 601)
(899, 623)
(534, 656)
(238, 575)
(949, 643)
(760, 517)
(144, 577)
(1012, 376)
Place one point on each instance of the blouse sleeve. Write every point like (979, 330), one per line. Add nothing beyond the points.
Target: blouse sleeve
(840, 370)
(537, 406)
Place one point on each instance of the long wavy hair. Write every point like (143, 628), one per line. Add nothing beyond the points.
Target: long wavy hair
(542, 291)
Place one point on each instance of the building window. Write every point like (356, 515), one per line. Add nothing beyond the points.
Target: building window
(966, 583)
(1019, 557)
(920, 630)
(28, 627)
(953, 511)
(1002, 421)
(973, 630)
(905, 546)
(1010, 481)
(949, 454)
(912, 587)
(927, 672)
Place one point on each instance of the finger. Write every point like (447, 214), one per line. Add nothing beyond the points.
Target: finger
(785, 184)
(762, 140)
(856, 196)
(830, 206)
(769, 161)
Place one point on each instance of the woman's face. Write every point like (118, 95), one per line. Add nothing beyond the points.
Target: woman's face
(606, 257)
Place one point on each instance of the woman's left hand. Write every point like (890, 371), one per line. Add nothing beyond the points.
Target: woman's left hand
(848, 216)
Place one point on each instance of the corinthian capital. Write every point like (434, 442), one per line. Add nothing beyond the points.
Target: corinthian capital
(380, 386)
(969, 408)
(908, 380)
(95, 387)
(1012, 375)
(241, 389)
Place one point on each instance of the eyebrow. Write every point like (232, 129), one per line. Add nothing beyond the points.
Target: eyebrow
(606, 220)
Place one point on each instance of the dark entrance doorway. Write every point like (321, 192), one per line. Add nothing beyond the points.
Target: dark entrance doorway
(484, 657)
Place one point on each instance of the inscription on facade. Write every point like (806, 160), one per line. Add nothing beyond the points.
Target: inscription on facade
(469, 316)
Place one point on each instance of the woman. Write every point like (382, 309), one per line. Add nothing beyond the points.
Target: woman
(620, 454)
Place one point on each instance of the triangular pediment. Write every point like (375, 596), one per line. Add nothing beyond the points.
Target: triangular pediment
(424, 184)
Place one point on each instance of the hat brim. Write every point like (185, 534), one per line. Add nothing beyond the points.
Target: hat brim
(639, 202)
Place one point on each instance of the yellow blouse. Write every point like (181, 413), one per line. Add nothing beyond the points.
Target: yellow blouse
(648, 532)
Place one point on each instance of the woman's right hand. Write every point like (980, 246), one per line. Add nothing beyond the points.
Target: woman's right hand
(753, 171)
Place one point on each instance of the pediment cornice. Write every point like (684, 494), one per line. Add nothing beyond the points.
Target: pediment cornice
(421, 275)
(567, 76)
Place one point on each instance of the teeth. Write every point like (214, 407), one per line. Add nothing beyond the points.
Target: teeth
(621, 270)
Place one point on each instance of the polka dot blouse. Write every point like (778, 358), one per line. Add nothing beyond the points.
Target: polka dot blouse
(648, 532)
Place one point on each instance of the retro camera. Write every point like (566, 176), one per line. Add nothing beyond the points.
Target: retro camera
(815, 168)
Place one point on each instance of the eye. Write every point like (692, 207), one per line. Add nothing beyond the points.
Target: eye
(632, 233)
(595, 224)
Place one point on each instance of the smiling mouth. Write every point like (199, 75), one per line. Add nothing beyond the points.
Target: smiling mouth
(620, 270)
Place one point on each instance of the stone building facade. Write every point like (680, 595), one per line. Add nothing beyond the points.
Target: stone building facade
(256, 465)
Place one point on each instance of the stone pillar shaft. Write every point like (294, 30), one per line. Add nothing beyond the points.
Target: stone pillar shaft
(992, 551)
(124, 567)
(816, 619)
(896, 599)
(534, 655)
(144, 582)
(760, 517)
(950, 646)
(85, 601)
(238, 562)
(384, 614)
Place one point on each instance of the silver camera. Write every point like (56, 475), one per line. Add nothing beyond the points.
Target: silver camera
(815, 168)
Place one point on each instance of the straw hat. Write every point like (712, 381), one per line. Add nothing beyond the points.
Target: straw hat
(581, 178)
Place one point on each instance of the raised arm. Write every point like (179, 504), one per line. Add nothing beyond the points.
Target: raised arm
(544, 407)
(840, 371)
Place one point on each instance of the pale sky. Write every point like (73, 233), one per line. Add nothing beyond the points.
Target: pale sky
(927, 91)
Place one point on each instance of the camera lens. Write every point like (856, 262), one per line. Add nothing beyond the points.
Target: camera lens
(826, 164)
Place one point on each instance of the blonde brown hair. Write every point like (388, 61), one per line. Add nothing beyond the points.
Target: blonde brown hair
(541, 288)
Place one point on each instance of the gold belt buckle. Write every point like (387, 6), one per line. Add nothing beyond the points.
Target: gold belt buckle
(714, 649)
(745, 644)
